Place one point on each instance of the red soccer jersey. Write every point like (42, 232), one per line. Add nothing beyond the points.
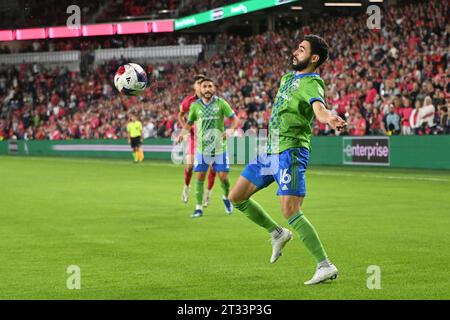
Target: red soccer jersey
(186, 105)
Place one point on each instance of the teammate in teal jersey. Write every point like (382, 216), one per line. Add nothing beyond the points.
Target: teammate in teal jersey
(209, 112)
(300, 97)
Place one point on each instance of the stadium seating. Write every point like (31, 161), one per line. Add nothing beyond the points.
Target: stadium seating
(36, 15)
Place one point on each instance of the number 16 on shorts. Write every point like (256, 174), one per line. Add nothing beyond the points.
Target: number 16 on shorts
(285, 179)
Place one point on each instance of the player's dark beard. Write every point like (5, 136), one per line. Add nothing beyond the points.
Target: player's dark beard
(301, 65)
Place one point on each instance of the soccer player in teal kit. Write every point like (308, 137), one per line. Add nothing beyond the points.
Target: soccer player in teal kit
(300, 97)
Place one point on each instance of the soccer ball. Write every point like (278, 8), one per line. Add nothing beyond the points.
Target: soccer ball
(130, 79)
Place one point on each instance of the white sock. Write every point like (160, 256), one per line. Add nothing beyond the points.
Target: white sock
(276, 233)
(325, 263)
(198, 207)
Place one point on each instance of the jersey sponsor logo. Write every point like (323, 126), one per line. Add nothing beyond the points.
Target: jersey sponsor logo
(210, 118)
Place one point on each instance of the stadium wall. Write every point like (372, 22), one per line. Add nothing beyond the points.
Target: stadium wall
(397, 151)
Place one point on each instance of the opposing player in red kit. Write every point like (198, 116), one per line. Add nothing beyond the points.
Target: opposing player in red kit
(190, 146)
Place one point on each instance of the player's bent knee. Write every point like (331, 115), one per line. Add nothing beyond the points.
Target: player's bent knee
(288, 212)
(291, 202)
(290, 208)
(235, 197)
(232, 197)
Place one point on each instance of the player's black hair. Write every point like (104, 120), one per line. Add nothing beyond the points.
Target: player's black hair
(207, 79)
(318, 46)
(199, 77)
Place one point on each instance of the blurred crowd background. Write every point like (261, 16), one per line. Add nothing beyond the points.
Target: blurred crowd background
(393, 81)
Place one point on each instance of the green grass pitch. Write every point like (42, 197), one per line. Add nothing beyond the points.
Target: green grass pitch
(126, 228)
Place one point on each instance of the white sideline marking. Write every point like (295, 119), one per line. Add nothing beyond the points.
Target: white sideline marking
(309, 172)
(377, 176)
(99, 161)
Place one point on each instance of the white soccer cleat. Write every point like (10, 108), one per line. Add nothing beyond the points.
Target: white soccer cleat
(185, 194)
(323, 274)
(206, 198)
(279, 243)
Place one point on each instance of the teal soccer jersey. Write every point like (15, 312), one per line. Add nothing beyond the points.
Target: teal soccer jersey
(210, 124)
(292, 113)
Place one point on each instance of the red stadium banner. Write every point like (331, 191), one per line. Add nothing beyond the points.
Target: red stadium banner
(63, 32)
(7, 35)
(29, 34)
(162, 26)
(133, 27)
(99, 30)
(105, 29)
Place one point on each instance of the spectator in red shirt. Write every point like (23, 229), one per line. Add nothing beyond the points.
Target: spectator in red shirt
(376, 123)
(405, 115)
(371, 93)
(360, 125)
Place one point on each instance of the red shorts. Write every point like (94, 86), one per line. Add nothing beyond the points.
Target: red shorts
(190, 145)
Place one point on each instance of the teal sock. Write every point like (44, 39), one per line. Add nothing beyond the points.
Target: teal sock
(199, 191)
(308, 235)
(225, 187)
(257, 214)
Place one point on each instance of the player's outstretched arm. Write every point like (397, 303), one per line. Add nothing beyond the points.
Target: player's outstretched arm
(324, 115)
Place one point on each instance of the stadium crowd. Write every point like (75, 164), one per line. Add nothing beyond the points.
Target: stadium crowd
(31, 13)
(390, 81)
